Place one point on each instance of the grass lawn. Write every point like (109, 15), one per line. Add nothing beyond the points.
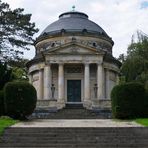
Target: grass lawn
(143, 121)
(6, 122)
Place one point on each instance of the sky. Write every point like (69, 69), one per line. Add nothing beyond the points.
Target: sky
(119, 18)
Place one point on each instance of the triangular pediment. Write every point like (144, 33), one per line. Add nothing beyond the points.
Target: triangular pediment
(74, 48)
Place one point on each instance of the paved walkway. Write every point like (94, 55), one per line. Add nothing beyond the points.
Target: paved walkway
(76, 123)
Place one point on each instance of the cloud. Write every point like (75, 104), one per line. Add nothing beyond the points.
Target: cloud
(120, 19)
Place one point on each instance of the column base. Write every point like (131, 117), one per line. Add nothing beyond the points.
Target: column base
(87, 104)
(60, 104)
(101, 104)
(46, 103)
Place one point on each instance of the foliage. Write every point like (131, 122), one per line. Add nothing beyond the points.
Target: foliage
(135, 64)
(5, 74)
(19, 71)
(142, 121)
(19, 74)
(6, 122)
(18, 63)
(16, 32)
(129, 101)
(1, 103)
(20, 99)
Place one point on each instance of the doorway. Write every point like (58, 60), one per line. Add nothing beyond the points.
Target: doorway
(73, 91)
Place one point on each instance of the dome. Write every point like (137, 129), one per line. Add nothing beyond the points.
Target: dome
(74, 22)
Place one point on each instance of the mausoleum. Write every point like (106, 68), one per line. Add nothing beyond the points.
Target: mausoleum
(73, 64)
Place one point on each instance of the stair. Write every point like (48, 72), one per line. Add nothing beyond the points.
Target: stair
(107, 137)
(71, 113)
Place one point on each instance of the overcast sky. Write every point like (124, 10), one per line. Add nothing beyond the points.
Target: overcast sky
(119, 18)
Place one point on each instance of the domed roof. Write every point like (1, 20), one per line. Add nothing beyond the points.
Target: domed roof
(75, 22)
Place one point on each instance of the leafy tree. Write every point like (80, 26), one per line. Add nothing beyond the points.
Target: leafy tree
(12, 71)
(5, 74)
(19, 74)
(135, 64)
(121, 58)
(18, 63)
(19, 71)
(16, 32)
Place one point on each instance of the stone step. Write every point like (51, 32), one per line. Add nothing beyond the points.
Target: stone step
(77, 129)
(130, 131)
(80, 141)
(133, 137)
(73, 145)
(74, 106)
(71, 113)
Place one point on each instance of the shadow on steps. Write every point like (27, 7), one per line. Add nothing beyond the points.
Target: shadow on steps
(71, 113)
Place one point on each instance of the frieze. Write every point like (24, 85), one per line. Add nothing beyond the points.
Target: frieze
(74, 69)
(98, 45)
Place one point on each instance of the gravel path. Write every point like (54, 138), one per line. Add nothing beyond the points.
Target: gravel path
(77, 123)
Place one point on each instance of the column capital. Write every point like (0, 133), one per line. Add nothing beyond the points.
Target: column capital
(47, 64)
(107, 70)
(41, 69)
(99, 63)
(86, 64)
(61, 64)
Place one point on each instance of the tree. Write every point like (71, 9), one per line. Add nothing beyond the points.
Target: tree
(16, 32)
(5, 74)
(12, 71)
(135, 64)
(19, 71)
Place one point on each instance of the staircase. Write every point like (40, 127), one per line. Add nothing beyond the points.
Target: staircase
(71, 113)
(107, 137)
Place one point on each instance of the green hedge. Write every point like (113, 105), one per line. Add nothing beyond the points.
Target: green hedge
(1, 103)
(129, 100)
(20, 99)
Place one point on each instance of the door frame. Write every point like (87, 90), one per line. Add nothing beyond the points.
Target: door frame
(81, 90)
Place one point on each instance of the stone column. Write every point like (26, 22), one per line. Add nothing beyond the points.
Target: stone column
(30, 78)
(117, 78)
(100, 81)
(47, 82)
(107, 84)
(40, 91)
(86, 83)
(61, 83)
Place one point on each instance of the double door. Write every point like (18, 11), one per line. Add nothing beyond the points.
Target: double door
(73, 91)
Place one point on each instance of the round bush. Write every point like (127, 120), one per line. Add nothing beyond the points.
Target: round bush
(1, 103)
(129, 101)
(146, 103)
(20, 99)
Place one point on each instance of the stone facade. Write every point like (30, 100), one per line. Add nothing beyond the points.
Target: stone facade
(85, 58)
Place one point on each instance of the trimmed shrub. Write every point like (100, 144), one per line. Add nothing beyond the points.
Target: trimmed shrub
(1, 103)
(146, 103)
(20, 99)
(129, 101)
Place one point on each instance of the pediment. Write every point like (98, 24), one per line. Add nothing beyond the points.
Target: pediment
(74, 49)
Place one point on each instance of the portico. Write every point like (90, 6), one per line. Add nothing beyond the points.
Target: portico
(59, 75)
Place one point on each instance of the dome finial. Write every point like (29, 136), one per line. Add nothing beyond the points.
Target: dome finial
(73, 8)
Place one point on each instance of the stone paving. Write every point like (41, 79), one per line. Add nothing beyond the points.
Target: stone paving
(76, 123)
